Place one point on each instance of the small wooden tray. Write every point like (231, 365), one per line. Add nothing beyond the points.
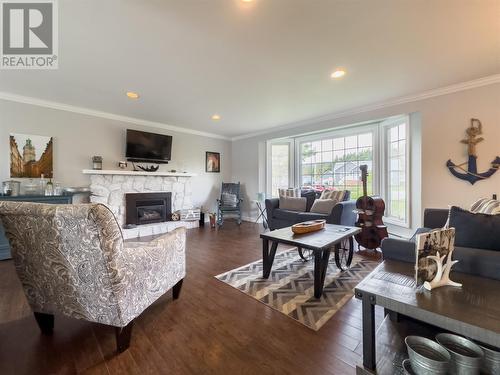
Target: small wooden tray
(308, 226)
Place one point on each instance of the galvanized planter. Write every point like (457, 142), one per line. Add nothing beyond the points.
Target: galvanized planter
(491, 360)
(466, 356)
(427, 357)
(407, 367)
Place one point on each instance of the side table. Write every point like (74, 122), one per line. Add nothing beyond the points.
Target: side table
(262, 213)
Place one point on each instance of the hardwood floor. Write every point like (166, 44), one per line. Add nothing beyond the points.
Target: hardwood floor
(211, 329)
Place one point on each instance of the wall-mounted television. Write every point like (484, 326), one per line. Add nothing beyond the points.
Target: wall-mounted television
(148, 147)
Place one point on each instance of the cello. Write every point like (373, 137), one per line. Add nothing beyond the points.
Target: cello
(370, 210)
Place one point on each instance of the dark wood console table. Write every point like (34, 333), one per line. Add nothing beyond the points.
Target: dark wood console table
(472, 310)
(54, 199)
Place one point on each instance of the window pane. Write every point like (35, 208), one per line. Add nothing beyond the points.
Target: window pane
(394, 149)
(402, 131)
(280, 167)
(393, 134)
(396, 174)
(351, 142)
(316, 146)
(327, 156)
(338, 144)
(365, 154)
(337, 169)
(326, 145)
(306, 152)
(365, 140)
(338, 155)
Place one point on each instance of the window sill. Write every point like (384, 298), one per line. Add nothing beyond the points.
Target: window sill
(399, 231)
(396, 222)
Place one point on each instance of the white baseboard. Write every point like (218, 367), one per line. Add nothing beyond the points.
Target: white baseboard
(251, 219)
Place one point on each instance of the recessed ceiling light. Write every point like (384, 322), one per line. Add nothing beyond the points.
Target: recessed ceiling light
(216, 117)
(338, 73)
(246, 1)
(132, 95)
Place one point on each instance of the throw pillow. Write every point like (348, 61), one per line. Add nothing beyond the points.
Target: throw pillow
(293, 203)
(229, 200)
(323, 206)
(478, 231)
(486, 206)
(337, 195)
(290, 192)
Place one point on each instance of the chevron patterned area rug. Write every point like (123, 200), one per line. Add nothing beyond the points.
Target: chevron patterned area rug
(290, 287)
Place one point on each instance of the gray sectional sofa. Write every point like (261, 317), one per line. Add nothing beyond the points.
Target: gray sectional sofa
(477, 241)
(342, 213)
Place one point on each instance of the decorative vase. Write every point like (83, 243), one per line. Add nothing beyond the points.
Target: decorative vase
(212, 220)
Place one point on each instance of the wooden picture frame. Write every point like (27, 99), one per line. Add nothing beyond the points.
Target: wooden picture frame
(212, 162)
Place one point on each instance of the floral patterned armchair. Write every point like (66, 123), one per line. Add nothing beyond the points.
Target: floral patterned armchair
(72, 260)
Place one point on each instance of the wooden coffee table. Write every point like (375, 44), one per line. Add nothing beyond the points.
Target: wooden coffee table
(472, 311)
(336, 237)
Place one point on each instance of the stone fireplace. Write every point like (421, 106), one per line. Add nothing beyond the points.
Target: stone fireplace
(147, 208)
(153, 195)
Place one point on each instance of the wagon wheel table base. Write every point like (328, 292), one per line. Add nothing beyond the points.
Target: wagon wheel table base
(320, 244)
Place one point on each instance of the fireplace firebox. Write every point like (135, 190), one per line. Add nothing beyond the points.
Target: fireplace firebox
(147, 208)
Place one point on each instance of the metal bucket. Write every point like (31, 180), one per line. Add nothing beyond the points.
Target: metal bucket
(491, 360)
(407, 367)
(426, 356)
(466, 356)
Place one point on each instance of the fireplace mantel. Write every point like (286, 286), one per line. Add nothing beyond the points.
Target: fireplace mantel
(119, 172)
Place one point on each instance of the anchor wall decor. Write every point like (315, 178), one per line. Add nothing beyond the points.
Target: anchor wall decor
(471, 174)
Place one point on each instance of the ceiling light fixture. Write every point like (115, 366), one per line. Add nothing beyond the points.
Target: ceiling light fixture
(132, 95)
(338, 73)
(246, 1)
(216, 117)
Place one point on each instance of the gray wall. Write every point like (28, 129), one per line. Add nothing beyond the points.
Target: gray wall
(77, 137)
(443, 121)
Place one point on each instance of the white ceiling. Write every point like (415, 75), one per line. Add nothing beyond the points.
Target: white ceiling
(262, 64)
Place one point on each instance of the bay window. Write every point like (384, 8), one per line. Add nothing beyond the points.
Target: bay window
(331, 160)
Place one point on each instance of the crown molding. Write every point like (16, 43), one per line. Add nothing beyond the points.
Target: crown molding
(485, 81)
(110, 116)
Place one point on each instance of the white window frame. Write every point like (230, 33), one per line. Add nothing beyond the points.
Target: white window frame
(384, 129)
(291, 166)
(380, 158)
(354, 130)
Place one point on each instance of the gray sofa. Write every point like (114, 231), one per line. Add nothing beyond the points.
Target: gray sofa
(477, 241)
(342, 213)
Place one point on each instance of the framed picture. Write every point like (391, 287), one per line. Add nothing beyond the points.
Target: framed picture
(428, 246)
(212, 162)
(31, 156)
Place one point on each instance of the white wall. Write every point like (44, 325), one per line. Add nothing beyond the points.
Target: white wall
(78, 137)
(443, 121)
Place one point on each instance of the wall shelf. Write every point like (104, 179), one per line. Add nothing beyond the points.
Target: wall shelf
(136, 173)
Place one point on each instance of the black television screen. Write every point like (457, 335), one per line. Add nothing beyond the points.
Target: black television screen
(143, 146)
